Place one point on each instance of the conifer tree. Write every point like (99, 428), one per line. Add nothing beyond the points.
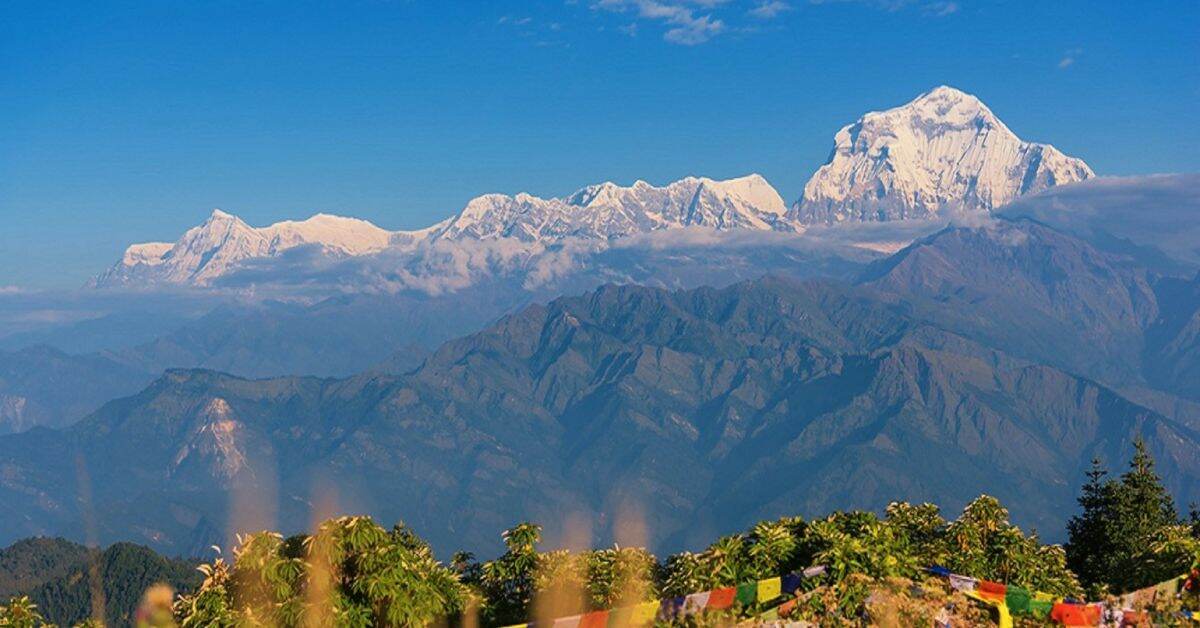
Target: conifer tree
(1090, 541)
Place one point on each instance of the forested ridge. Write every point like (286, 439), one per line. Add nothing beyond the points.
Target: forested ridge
(870, 569)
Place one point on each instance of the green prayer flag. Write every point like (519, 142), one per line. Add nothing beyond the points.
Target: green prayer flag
(1040, 608)
(747, 593)
(1017, 599)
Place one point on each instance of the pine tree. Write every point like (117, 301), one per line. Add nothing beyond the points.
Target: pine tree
(1090, 545)
(1143, 509)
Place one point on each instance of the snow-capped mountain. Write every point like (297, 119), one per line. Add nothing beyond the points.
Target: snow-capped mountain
(597, 212)
(944, 149)
(223, 241)
(607, 210)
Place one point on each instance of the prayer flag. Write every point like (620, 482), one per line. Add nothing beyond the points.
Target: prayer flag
(721, 598)
(790, 583)
(1076, 614)
(991, 590)
(594, 619)
(1017, 599)
(747, 594)
(963, 583)
(769, 589)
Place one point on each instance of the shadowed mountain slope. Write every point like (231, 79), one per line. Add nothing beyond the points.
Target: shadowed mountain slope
(947, 372)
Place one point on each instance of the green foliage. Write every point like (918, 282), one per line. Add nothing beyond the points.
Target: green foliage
(768, 549)
(563, 582)
(983, 543)
(351, 572)
(21, 612)
(1128, 534)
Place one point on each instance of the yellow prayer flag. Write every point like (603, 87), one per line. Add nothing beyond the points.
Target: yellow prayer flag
(768, 589)
(644, 613)
(1005, 618)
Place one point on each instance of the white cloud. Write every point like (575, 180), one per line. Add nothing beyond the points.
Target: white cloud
(685, 26)
(1069, 58)
(769, 9)
(941, 8)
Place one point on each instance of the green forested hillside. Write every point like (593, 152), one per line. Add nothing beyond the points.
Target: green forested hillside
(29, 563)
(60, 577)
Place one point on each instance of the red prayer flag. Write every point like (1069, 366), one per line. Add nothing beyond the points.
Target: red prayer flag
(722, 598)
(1076, 614)
(992, 590)
(595, 619)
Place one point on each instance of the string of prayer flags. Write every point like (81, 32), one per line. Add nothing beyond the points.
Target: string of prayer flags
(1068, 612)
(646, 613)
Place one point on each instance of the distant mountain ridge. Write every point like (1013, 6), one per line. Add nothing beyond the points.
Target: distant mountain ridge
(598, 212)
(988, 358)
(943, 149)
(214, 247)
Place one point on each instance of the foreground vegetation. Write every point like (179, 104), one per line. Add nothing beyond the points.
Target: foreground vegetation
(353, 572)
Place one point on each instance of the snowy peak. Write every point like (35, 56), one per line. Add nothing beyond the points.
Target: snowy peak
(223, 241)
(943, 149)
(607, 210)
(945, 105)
(350, 236)
(601, 212)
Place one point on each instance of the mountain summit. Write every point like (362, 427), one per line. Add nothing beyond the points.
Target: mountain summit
(944, 149)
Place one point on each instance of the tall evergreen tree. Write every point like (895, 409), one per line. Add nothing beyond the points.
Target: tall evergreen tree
(1144, 509)
(1090, 539)
(1121, 520)
(1143, 503)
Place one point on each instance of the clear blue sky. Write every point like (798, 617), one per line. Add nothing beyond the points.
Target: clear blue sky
(130, 121)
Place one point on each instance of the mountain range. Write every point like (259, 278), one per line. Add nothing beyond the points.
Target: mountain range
(944, 150)
(947, 310)
(996, 358)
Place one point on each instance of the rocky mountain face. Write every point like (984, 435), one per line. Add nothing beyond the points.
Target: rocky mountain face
(946, 371)
(945, 149)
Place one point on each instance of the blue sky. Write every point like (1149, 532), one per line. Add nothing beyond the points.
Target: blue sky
(130, 121)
